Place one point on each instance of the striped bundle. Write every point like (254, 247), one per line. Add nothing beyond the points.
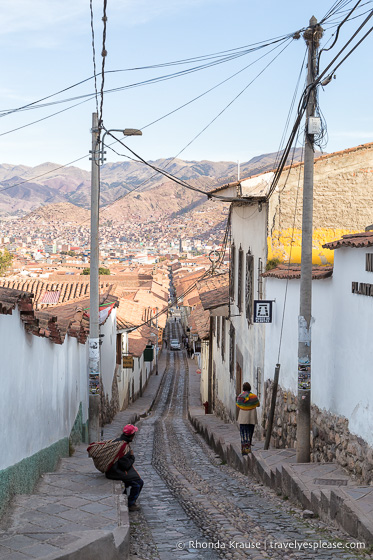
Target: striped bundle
(106, 453)
(247, 401)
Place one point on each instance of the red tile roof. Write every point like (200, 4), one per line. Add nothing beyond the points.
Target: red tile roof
(53, 323)
(364, 239)
(215, 298)
(292, 271)
(213, 282)
(201, 319)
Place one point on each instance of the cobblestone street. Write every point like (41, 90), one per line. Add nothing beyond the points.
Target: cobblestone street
(194, 506)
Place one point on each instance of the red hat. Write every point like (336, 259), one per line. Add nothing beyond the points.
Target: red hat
(130, 429)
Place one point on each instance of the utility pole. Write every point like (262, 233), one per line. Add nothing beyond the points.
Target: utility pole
(94, 325)
(312, 37)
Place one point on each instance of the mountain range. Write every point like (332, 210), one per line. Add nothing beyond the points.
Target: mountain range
(132, 189)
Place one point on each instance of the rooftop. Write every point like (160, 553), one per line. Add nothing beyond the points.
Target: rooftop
(292, 272)
(364, 239)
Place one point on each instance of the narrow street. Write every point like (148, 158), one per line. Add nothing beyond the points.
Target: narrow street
(193, 506)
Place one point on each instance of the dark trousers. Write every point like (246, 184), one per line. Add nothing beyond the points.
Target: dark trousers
(246, 431)
(136, 487)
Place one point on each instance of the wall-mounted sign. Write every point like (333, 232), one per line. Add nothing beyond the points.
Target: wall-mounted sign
(362, 288)
(262, 311)
(127, 362)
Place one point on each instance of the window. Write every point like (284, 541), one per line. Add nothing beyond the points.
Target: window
(232, 271)
(223, 321)
(119, 349)
(232, 343)
(240, 274)
(249, 287)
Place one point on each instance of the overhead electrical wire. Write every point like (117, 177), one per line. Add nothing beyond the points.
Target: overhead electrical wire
(164, 116)
(169, 175)
(93, 54)
(207, 274)
(103, 55)
(59, 167)
(108, 91)
(247, 49)
(338, 30)
(304, 100)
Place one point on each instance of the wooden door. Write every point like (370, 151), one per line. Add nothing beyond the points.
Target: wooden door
(238, 383)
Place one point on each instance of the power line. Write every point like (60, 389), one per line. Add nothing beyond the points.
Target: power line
(172, 177)
(227, 57)
(103, 55)
(304, 100)
(93, 54)
(208, 273)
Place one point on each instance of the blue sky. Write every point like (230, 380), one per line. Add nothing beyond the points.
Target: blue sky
(47, 46)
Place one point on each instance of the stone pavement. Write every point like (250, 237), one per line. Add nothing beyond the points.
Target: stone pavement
(75, 513)
(324, 488)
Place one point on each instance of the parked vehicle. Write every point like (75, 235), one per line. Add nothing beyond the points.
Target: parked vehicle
(175, 344)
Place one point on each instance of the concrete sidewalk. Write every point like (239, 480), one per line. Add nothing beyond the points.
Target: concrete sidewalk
(324, 488)
(75, 513)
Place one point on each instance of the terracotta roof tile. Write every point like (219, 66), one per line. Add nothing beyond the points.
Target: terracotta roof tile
(213, 282)
(55, 322)
(201, 319)
(284, 271)
(215, 298)
(364, 239)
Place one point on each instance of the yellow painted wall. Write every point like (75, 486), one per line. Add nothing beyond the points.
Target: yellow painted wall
(286, 244)
(342, 204)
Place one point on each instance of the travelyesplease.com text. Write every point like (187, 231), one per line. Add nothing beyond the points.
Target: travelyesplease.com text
(268, 545)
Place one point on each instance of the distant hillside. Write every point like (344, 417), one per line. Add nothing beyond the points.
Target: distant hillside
(50, 184)
(60, 212)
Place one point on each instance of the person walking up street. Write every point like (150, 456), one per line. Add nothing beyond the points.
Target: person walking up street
(124, 470)
(247, 402)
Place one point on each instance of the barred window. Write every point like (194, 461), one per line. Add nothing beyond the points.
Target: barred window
(218, 331)
(232, 270)
(240, 275)
(249, 287)
(232, 344)
(223, 321)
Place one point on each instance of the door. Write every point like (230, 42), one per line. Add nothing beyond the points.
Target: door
(238, 383)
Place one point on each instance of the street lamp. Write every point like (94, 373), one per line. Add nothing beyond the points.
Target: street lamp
(94, 296)
(125, 132)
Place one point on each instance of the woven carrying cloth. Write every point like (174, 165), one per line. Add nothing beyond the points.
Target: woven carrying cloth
(106, 453)
(247, 401)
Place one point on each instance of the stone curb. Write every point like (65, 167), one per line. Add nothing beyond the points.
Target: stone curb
(331, 505)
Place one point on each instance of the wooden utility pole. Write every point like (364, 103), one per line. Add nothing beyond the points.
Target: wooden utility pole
(312, 37)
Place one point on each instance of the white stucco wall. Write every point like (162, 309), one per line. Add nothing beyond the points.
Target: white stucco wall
(42, 386)
(353, 349)
(108, 351)
(248, 230)
(342, 353)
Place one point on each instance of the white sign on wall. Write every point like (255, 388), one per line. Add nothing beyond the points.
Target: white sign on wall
(262, 311)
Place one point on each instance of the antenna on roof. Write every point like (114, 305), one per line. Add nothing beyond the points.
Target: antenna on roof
(238, 170)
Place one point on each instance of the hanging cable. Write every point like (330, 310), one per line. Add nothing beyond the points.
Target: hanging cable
(94, 53)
